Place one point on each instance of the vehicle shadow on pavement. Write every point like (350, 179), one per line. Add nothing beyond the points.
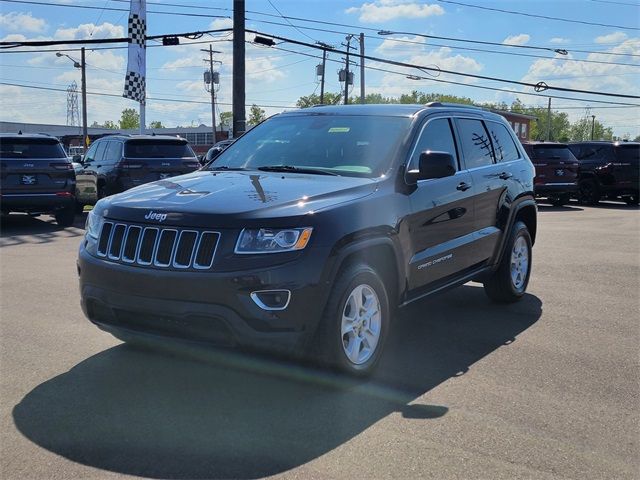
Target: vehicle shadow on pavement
(17, 229)
(230, 415)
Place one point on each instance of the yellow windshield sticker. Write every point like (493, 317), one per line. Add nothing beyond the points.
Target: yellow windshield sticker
(339, 129)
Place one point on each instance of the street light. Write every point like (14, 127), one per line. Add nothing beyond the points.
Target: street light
(83, 67)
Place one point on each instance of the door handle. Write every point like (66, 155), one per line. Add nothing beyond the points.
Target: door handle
(505, 175)
(463, 186)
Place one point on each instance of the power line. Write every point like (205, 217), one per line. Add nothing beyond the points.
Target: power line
(112, 9)
(399, 40)
(482, 87)
(291, 24)
(546, 17)
(540, 86)
(157, 99)
(617, 3)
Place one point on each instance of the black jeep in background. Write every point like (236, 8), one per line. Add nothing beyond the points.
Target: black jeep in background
(116, 163)
(37, 177)
(608, 170)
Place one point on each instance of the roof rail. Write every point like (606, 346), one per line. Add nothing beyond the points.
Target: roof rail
(450, 104)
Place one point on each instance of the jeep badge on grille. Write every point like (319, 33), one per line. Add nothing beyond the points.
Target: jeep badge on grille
(161, 217)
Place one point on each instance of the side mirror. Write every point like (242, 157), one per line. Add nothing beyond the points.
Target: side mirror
(433, 165)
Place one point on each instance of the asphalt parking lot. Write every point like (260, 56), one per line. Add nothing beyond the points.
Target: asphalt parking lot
(546, 388)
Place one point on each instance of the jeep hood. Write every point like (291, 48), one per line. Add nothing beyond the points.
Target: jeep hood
(204, 197)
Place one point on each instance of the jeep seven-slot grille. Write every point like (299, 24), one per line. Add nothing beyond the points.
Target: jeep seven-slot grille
(157, 247)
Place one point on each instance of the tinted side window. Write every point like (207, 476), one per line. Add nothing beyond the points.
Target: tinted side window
(91, 153)
(476, 146)
(437, 137)
(504, 147)
(113, 152)
(100, 149)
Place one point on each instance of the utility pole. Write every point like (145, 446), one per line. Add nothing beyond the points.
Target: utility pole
(83, 68)
(593, 125)
(211, 80)
(549, 120)
(239, 116)
(362, 68)
(324, 64)
(346, 71)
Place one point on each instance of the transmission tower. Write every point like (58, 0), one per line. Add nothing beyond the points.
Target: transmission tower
(73, 113)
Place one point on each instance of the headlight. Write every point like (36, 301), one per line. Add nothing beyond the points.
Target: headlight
(268, 240)
(93, 225)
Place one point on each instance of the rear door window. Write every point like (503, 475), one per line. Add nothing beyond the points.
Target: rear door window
(31, 148)
(504, 147)
(157, 149)
(113, 152)
(476, 145)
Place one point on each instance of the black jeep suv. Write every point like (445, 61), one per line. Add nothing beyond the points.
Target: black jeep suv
(313, 228)
(608, 169)
(37, 177)
(116, 163)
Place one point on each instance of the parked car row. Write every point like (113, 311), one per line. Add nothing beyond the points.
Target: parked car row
(39, 178)
(588, 171)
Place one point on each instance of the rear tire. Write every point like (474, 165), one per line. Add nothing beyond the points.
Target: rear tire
(632, 200)
(560, 200)
(79, 208)
(509, 282)
(66, 217)
(356, 321)
(589, 192)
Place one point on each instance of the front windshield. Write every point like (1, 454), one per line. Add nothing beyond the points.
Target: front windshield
(338, 144)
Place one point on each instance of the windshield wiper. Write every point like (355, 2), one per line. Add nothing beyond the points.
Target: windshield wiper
(224, 167)
(292, 169)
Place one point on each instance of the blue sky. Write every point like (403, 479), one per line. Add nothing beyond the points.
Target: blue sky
(277, 77)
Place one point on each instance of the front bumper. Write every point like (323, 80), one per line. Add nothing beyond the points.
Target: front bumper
(210, 307)
(35, 202)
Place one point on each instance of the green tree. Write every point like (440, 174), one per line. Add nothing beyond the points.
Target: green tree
(130, 119)
(110, 124)
(156, 124)
(581, 130)
(226, 119)
(314, 99)
(256, 115)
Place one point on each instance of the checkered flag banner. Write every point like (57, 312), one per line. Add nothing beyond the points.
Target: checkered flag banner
(135, 79)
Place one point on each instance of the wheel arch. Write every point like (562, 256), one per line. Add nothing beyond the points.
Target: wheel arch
(382, 254)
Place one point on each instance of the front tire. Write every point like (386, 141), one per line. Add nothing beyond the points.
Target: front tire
(509, 282)
(589, 192)
(356, 321)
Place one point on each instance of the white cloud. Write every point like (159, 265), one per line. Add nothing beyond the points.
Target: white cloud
(593, 77)
(559, 41)
(89, 30)
(401, 45)
(386, 10)
(21, 22)
(614, 37)
(521, 39)
(221, 23)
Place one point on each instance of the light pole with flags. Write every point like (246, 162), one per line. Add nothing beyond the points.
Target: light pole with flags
(135, 78)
